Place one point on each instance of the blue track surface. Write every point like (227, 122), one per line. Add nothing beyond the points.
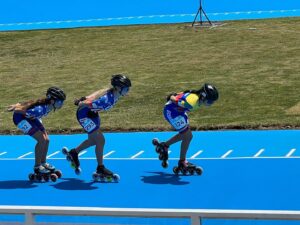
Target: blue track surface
(50, 14)
(242, 170)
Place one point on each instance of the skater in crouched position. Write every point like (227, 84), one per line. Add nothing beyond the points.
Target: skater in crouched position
(175, 112)
(88, 118)
(27, 117)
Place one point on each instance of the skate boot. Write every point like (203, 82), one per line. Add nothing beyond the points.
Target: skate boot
(162, 149)
(40, 174)
(72, 156)
(104, 175)
(186, 167)
(52, 169)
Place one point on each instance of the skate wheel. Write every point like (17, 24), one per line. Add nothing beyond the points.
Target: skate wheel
(199, 170)
(116, 177)
(95, 176)
(77, 171)
(58, 173)
(165, 164)
(184, 171)
(155, 141)
(45, 178)
(109, 179)
(65, 150)
(53, 177)
(102, 179)
(38, 177)
(191, 171)
(176, 170)
(31, 177)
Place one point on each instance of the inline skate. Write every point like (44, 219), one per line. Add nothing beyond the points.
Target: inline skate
(41, 174)
(72, 156)
(104, 175)
(162, 149)
(186, 167)
(52, 169)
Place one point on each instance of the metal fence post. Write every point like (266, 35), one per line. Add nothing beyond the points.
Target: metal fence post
(29, 218)
(195, 220)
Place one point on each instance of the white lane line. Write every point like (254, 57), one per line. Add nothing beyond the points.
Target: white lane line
(218, 158)
(137, 154)
(226, 154)
(81, 153)
(259, 152)
(195, 155)
(108, 154)
(291, 152)
(52, 154)
(3, 153)
(22, 156)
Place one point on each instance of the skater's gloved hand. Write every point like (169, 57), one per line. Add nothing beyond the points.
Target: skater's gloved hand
(77, 101)
(169, 96)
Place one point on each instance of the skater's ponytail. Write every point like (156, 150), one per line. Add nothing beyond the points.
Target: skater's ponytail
(23, 106)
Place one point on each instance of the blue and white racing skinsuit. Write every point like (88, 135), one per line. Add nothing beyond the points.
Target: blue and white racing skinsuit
(31, 122)
(88, 116)
(176, 114)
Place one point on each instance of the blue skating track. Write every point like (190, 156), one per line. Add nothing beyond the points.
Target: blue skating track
(242, 170)
(49, 14)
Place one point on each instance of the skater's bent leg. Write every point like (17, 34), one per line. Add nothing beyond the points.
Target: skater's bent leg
(84, 145)
(187, 137)
(99, 140)
(45, 147)
(174, 139)
(41, 143)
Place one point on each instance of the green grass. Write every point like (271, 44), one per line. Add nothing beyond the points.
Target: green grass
(256, 71)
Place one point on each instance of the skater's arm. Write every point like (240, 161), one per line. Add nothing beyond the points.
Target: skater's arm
(87, 100)
(35, 112)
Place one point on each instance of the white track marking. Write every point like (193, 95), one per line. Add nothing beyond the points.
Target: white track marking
(290, 153)
(228, 158)
(195, 155)
(226, 154)
(3, 153)
(259, 152)
(137, 154)
(22, 156)
(169, 152)
(52, 154)
(108, 154)
(81, 153)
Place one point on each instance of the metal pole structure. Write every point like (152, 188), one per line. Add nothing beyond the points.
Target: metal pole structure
(200, 12)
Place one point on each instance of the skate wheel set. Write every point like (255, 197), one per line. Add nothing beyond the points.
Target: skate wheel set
(185, 171)
(105, 178)
(65, 151)
(162, 153)
(38, 177)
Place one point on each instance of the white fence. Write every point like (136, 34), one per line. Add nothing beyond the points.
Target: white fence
(194, 214)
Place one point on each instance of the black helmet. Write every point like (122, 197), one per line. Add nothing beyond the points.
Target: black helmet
(209, 92)
(120, 80)
(56, 93)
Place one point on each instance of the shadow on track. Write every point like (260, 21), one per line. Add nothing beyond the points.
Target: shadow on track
(74, 184)
(163, 178)
(17, 184)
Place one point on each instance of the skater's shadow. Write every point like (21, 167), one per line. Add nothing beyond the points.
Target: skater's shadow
(74, 184)
(163, 178)
(17, 184)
